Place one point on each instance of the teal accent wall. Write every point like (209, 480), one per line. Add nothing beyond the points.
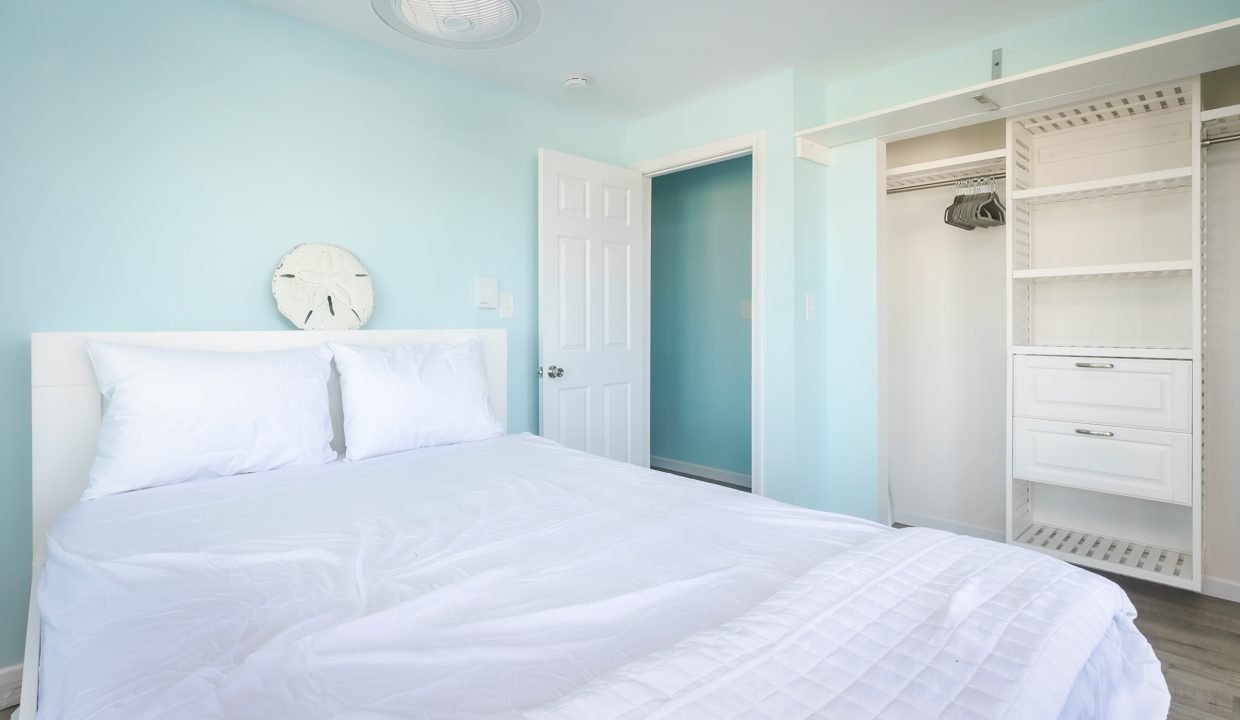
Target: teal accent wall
(700, 230)
(159, 157)
(763, 106)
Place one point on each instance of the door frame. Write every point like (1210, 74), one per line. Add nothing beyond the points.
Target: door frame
(754, 145)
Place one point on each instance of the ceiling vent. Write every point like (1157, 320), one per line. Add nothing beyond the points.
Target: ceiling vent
(470, 24)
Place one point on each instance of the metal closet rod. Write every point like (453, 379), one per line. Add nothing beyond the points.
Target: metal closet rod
(1221, 139)
(946, 183)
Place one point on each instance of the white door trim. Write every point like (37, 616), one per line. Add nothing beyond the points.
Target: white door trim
(753, 144)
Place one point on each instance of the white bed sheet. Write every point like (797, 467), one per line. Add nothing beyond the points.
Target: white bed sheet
(484, 580)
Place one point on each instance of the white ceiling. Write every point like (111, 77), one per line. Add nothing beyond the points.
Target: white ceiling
(648, 55)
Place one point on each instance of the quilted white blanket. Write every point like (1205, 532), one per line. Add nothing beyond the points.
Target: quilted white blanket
(912, 624)
(516, 578)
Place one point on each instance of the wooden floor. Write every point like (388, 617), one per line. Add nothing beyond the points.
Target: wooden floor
(1197, 637)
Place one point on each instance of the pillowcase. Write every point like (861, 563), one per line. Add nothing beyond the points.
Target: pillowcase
(404, 397)
(177, 415)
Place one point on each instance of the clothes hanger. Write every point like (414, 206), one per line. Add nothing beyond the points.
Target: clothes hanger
(951, 214)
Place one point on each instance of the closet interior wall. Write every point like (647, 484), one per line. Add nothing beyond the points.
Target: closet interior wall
(946, 376)
(1221, 502)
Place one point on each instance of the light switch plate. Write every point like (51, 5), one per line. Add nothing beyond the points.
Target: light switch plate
(811, 308)
(747, 310)
(488, 293)
(505, 305)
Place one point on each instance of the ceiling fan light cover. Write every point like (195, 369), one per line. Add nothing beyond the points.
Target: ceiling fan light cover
(476, 24)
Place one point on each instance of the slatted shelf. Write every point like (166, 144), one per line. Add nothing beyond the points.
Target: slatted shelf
(1135, 103)
(1150, 562)
(1141, 183)
(991, 162)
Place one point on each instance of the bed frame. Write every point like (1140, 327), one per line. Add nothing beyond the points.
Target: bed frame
(66, 410)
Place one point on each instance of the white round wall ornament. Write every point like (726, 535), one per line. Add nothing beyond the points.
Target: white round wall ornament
(323, 287)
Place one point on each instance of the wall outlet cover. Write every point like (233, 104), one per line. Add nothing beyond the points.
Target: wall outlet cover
(488, 293)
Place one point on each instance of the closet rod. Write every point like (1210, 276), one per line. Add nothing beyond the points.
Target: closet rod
(1218, 140)
(946, 183)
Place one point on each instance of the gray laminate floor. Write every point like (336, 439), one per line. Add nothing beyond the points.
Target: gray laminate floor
(1197, 637)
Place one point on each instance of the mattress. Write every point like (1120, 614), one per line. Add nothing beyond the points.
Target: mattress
(515, 578)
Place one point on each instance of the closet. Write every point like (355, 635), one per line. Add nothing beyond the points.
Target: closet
(1047, 381)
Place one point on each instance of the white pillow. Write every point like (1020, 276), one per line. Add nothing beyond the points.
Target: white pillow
(404, 397)
(177, 415)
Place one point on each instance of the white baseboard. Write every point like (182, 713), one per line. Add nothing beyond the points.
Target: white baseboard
(710, 473)
(1221, 588)
(916, 520)
(10, 685)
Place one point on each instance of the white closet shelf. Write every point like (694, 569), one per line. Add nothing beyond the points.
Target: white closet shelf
(1135, 103)
(1109, 352)
(1173, 179)
(991, 162)
(1094, 272)
(1220, 121)
(1149, 562)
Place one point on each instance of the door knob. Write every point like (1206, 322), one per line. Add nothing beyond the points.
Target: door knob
(555, 372)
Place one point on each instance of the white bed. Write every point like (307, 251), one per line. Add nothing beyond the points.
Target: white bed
(515, 578)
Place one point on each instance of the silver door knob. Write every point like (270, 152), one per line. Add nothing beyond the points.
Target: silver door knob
(555, 372)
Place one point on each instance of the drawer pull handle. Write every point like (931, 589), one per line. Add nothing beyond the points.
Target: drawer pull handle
(1094, 433)
(1097, 366)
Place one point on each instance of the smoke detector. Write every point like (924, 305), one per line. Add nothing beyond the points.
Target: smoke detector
(469, 24)
(577, 81)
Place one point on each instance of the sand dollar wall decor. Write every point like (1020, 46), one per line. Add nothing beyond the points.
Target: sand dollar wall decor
(323, 287)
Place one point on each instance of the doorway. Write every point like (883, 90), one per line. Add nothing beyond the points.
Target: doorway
(700, 322)
(594, 331)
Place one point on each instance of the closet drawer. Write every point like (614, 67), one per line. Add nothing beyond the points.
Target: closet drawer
(1138, 393)
(1125, 461)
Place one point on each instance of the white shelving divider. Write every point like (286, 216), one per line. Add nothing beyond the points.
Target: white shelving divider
(991, 162)
(1173, 179)
(1134, 270)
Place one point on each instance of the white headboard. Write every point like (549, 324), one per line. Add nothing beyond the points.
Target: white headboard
(66, 407)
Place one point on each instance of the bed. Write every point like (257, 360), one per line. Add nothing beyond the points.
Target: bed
(514, 578)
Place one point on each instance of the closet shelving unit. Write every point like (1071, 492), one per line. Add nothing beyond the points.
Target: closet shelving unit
(1104, 326)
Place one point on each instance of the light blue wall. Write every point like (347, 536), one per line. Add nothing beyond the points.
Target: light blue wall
(813, 337)
(700, 228)
(764, 106)
(848, 476)
(157, 158)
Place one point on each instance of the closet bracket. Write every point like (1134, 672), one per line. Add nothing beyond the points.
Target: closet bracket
(814, 152)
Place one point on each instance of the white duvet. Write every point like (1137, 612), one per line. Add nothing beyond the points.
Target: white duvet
(514, 578)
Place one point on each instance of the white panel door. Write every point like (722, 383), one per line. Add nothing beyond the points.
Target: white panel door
(593, 295)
